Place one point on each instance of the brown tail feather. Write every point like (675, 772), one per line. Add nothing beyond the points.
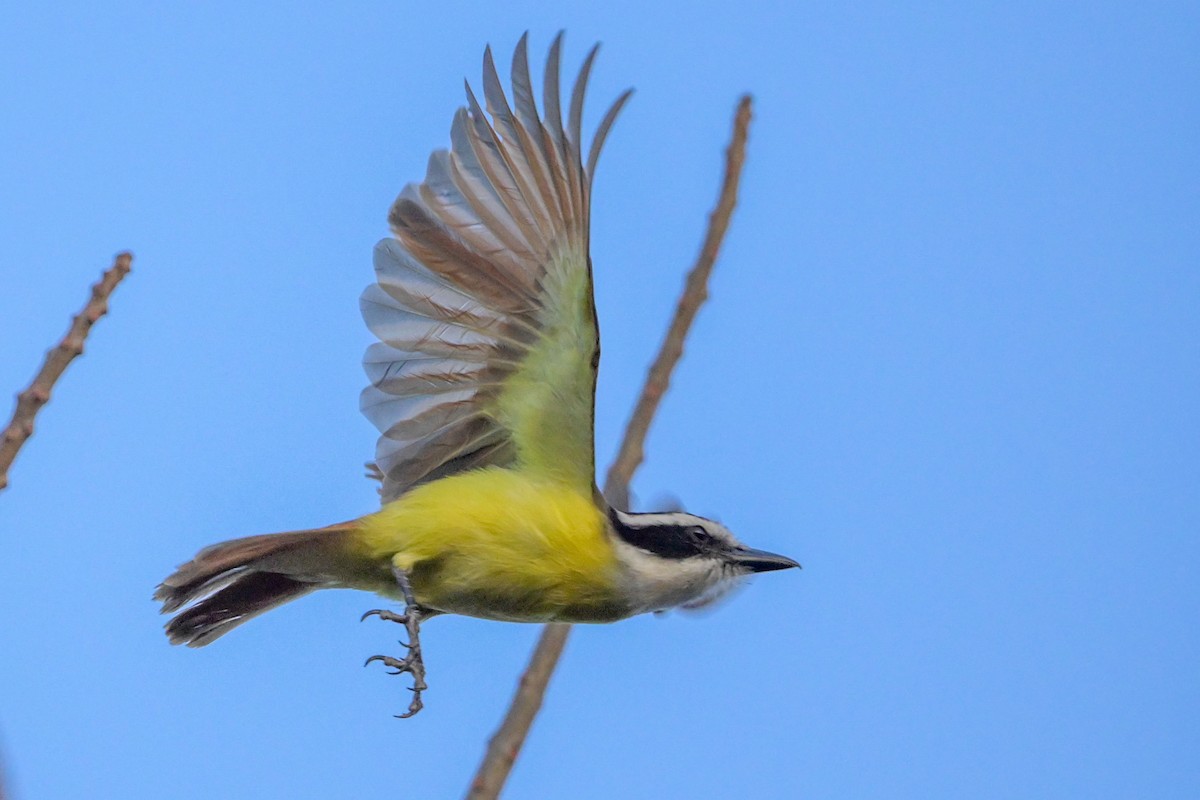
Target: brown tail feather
(248, 596)
(234, 581)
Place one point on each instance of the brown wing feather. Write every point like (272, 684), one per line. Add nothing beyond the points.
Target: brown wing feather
(463, 295)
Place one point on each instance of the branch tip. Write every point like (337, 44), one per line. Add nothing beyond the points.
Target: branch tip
(33, 398)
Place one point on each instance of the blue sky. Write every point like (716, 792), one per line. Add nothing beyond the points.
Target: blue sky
(950, 364)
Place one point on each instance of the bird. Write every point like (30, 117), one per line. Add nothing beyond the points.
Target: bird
(482, 384)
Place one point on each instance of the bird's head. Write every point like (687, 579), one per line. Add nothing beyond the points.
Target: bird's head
(679, 559)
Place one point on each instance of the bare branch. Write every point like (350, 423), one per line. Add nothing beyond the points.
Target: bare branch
(30, 401)
(505, 745)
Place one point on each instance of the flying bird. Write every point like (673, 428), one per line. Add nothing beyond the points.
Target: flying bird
(482, 385)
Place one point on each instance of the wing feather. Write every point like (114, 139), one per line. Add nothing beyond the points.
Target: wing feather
(557, 148)
(512, 150)
(442, 196)
(602, 131)
(530, 130)
(472, 182)
(487, 149)
(482, 303)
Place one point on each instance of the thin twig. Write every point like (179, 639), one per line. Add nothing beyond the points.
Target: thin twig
(30, 401)
(505, 745)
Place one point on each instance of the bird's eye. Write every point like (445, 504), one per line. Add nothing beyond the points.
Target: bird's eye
(699, 535)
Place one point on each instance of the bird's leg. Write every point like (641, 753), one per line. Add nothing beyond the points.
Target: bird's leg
(411, 620)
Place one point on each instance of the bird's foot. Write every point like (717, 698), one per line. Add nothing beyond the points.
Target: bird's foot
(412, 663)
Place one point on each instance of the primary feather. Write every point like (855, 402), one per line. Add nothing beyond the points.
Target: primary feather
(483, 300)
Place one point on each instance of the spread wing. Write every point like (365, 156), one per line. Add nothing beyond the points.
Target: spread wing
(483, 301)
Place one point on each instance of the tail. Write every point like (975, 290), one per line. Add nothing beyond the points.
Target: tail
(237, 580)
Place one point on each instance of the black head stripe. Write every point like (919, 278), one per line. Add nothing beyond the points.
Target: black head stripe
(662, 539)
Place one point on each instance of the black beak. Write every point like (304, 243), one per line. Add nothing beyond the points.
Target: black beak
(760, 560)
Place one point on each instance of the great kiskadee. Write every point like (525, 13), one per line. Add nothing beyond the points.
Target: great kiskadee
(483, 386)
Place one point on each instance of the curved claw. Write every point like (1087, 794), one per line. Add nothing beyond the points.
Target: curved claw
(416, 706)
(402, 664)
(388, 661)
(386, 615)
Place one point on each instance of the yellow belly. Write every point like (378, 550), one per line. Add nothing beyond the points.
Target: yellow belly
(500, 544)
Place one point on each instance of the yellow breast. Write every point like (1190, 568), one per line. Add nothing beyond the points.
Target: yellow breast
(500, 544)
